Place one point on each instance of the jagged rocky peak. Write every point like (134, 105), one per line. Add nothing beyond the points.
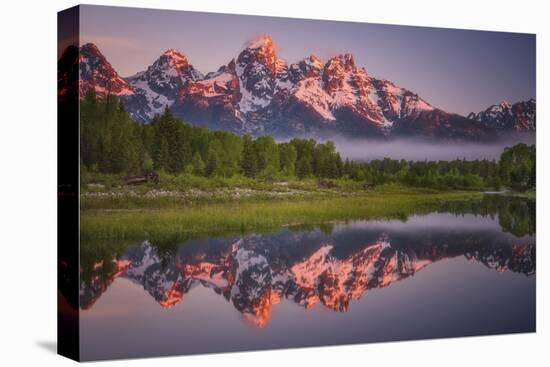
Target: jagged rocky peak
(90, 50)
(173, 63)
(313, 61)
(338, 70)
(261, 73)
(340, 63)
(263, 41)
(157, 87)
(92, 61)
(175, 55)
(171, 70)
(95, 72)
(172, 58)
(259, 55)
(505, 105)
(309, 67)
(259, 93)
(260, 42)
(520, 116)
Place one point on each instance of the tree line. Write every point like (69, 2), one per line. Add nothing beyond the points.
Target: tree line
(111, 142)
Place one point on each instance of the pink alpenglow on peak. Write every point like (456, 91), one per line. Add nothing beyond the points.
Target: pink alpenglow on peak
(258, 93)
(261, 41)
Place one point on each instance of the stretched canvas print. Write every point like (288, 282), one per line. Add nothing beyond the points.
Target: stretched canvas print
(232, 183)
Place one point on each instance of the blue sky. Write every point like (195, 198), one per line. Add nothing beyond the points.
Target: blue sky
(456, 70)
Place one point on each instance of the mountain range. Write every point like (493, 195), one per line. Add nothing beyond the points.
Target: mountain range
(258, 93)
(256, 272)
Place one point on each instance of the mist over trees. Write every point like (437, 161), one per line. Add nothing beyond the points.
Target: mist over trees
(112, 143)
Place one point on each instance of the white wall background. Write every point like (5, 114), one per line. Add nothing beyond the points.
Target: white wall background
(28, 181)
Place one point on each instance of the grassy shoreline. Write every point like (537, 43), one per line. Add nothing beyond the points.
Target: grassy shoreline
(136, 217)
(182, 191)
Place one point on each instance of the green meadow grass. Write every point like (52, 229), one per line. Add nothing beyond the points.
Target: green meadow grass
(258, 215)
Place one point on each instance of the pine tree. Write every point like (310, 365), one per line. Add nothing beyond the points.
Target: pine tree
(160, 159)
(303, 168)
(198, 164)
(288, 156)
(213, 164)
(249, 162)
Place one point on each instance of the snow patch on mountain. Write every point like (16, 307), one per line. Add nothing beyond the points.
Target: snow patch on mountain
(259, 93)
(343, 96)
(520, 116)
(160, 83)
(156, 102)
(251, 101)
(216, 84)
(312, 93)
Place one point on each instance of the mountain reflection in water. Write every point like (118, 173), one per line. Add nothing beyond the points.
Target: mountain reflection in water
(315, 267)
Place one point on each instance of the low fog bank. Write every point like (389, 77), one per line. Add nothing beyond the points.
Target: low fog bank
(419, 150)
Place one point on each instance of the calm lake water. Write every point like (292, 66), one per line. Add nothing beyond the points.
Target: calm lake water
(443, 274)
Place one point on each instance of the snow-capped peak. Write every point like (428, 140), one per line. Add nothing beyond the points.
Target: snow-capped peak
(257, 92)
(90, 48)
(175, 53)
(173, 63)
(505, 104)
(521, 116)
(309, 67)
(98, 74)
(161, 82)
(260, 72)
(341, 61)
(313, 61)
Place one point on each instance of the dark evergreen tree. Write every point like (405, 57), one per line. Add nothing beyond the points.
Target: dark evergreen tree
(303, 168)
(249, 164)
(198, 165)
